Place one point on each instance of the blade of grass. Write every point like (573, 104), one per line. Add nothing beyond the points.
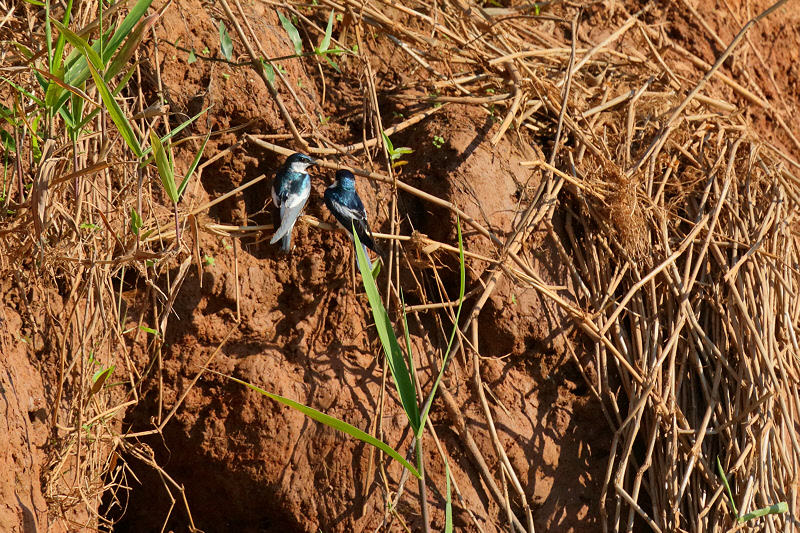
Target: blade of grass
(80, 45)
(25, 92)
(134, 15)
(394, 355)
(174, 132)
(778, 508)
(116, 113)
(165, 170)
(58, 82)
(448, 353)
(727, 487)
(329, 421)
(131, 44)
(58, 52)
(408, 341)
(193, 166)
(448, 506)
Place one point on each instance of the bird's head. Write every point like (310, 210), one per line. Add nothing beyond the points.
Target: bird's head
(299, 162)
(345, 179)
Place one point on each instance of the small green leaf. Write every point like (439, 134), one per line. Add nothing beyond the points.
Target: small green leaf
(294, 35)
(388, 142)
(150, 331)
(270, 72)
(727, 487)
(208, 260)
(326, 41)
(192, 57)
(136, 221)
(225, 43)
(87, 225)
(99, 378)
(9, 144)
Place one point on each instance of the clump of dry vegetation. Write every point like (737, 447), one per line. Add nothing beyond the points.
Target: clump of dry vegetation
(679, 221)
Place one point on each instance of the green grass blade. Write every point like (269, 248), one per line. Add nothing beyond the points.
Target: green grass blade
(174, 132)
(455, 328)
(394, 355)
(225, 43)
(330, 421)
(326, 41)
(56, 81)
(116, 113)
(88, 118)
(332, 63)
(126, 26)
(448, 505)
(165, 170)
(69, 122)
(193, 166)
(58, 53)
(54, 87)
(27, 93)
(131, 44)
(77, 108)
(778, 508)
(294, 35)
(80, 45)
(727, 487)
(407, 337)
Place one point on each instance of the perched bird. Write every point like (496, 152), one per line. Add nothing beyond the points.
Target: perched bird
(290, 190)
(348, 210)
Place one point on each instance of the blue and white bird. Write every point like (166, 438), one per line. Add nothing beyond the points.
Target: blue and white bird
(290, 190)
(348, 210)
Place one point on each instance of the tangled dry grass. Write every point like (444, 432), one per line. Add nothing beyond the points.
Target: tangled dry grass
(681, 247)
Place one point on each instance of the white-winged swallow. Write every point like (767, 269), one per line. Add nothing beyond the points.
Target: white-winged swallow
(290, 190)
(348, 210)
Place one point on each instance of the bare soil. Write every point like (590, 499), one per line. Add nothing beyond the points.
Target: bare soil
(249, 464)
